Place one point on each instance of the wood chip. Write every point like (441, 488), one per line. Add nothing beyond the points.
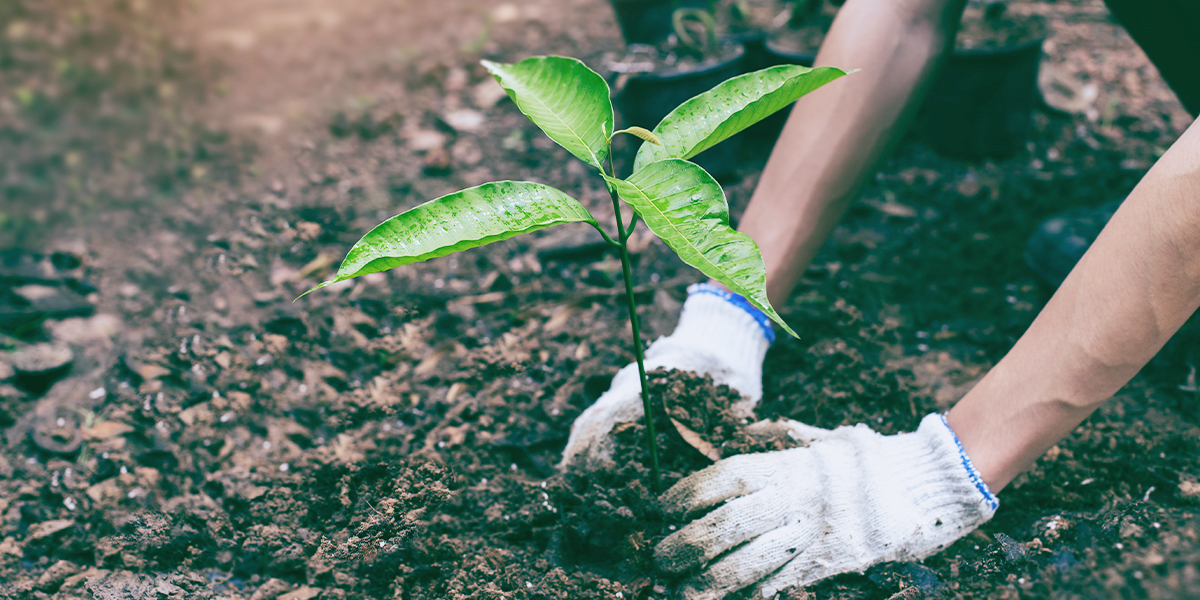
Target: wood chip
(696, 441)
(46, 529)
(105, 430)
(892, 209)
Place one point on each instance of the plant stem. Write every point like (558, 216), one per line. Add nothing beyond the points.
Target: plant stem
(607, 240)
(623, 236)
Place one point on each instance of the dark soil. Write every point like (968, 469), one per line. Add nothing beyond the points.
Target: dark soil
(701, 412)
(999, 29)
(398, 436)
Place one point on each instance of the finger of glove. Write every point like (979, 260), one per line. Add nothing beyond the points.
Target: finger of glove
(807, 568)
(589, 445)
(752, 562)
(588, 442)
(727, 527)
(796, 430)
(588, 453)
(729, 478)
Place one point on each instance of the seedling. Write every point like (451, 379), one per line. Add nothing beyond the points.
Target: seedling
(684, 18)
(679, 201)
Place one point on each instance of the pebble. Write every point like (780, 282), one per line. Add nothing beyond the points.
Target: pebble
(464, 120)
(42, 359)
(423, 140)
(488, 94)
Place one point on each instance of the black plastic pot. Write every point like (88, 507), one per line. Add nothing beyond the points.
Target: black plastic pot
(648, 97)
(981, 103)
(777, 55)
(979, 106)
(756, 57)
(648, 21)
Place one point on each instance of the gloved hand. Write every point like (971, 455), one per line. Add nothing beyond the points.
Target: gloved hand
(851, 499)
(719, 333)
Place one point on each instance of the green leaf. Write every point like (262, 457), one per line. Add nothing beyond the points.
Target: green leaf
(735, 104)
(641, 132)
(565, 99)
(685, 207)
(465, 219)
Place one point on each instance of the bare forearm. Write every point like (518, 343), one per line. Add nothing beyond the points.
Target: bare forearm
(1133, 289)
(837, 135)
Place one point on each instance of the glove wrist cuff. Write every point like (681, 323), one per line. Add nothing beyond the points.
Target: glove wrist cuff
(719, 327)
(954, 477)
(968, 466)
(760, 318)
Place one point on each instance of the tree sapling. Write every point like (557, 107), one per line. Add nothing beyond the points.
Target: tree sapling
(679, 201)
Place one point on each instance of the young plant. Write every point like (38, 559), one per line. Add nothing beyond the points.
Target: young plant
(679, 201)
(685, 18)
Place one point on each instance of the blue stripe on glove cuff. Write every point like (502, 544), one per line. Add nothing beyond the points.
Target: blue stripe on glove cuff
(970, 467)
(737, 300)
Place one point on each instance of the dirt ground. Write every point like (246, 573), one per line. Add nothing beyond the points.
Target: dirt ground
(174, 174)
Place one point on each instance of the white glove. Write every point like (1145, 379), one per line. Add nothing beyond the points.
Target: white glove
(851, 499)
(719, 333)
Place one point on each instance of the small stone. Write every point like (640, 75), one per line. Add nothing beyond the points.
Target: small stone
(38, 302)
(488, 94)
(424, 140)
(464, 120)
(84, 331)
(506, 12)
(42, 359)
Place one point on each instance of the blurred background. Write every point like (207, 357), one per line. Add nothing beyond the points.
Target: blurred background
(173, 174)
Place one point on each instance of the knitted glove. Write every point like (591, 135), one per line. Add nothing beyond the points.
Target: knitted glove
(719, 333)
(851, 499)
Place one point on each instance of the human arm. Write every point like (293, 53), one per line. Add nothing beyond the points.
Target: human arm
(1130, 292)
(838, 134)
(853, 498)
